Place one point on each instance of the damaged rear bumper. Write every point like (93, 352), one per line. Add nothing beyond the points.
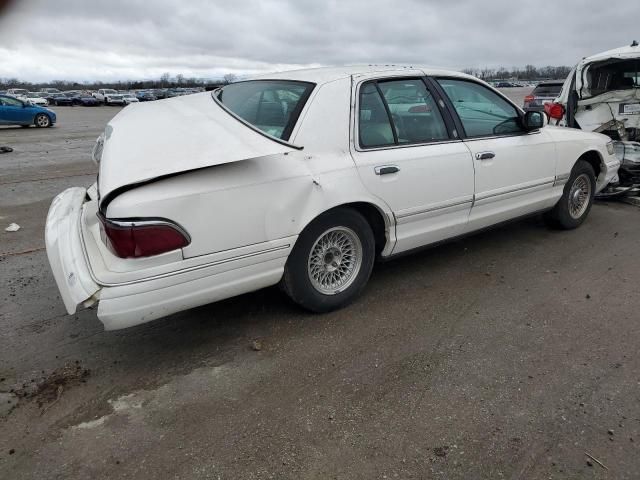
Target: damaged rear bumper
(65, 251)
(145, 294)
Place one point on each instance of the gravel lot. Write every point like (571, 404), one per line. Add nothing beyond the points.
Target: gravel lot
(509, 354)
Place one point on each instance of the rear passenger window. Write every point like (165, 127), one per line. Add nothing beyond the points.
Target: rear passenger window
(414, 112)
(374, 126)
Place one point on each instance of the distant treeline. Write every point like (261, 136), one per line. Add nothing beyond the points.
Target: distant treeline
(165, 81)
(529, 72)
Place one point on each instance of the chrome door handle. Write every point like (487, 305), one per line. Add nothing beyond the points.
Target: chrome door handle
(485, 155)
(386, 169)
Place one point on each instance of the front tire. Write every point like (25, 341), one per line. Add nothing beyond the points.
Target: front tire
(331, 261)
(42, 120)
(576, 201)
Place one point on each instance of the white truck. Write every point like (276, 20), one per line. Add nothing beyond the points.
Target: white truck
(109, 96)
(17, 92)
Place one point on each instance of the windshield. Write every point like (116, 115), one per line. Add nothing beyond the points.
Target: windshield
(272, 106)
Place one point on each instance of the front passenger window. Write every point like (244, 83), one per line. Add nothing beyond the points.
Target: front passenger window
(483, 113)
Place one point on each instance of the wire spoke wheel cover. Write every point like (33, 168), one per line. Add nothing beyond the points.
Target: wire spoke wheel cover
(579, 196)
(334, 260)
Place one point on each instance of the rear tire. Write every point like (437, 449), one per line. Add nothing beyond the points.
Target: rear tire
(331, 261)
(576, 201)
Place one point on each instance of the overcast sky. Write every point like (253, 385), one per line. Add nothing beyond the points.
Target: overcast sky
(133, 39)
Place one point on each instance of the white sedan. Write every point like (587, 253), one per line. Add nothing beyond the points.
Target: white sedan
(35, 98)
(304, 178)
(130, 98)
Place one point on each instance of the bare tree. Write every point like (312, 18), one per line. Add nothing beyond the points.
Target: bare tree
(486, 73)
(229, 78)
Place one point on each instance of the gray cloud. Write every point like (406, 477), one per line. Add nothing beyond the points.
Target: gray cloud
(130, 39)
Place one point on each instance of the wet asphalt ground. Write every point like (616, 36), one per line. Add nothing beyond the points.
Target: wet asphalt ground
(509, 354)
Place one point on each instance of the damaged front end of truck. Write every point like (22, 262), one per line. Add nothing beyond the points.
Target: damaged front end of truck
(602, 94)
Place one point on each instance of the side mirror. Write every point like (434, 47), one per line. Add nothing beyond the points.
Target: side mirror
(534, 120)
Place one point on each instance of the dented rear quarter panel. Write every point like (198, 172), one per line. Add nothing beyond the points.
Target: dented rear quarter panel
(245, 203)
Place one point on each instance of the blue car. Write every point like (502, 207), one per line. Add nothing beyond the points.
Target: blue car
(17, 112)
(83, 99)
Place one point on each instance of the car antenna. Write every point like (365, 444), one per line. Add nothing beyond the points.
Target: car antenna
(634, 43)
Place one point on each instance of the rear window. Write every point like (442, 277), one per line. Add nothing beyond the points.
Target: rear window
(550, 89)
(613, 74)
(272, 106)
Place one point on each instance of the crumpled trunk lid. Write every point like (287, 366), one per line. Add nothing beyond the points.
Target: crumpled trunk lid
(151, 140)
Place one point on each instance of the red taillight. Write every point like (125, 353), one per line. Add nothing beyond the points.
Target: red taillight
(529, 98)
(142, 238)
(554, 110)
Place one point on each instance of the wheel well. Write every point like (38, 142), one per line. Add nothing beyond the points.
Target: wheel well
(593, 158)
(375, 219)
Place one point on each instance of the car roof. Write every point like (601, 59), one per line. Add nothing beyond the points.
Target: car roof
(622, 52)
(329, 74)
(551, 82)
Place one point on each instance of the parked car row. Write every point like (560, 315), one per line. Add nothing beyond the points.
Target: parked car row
(19, 106)
(104, 96)
(52, 97)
